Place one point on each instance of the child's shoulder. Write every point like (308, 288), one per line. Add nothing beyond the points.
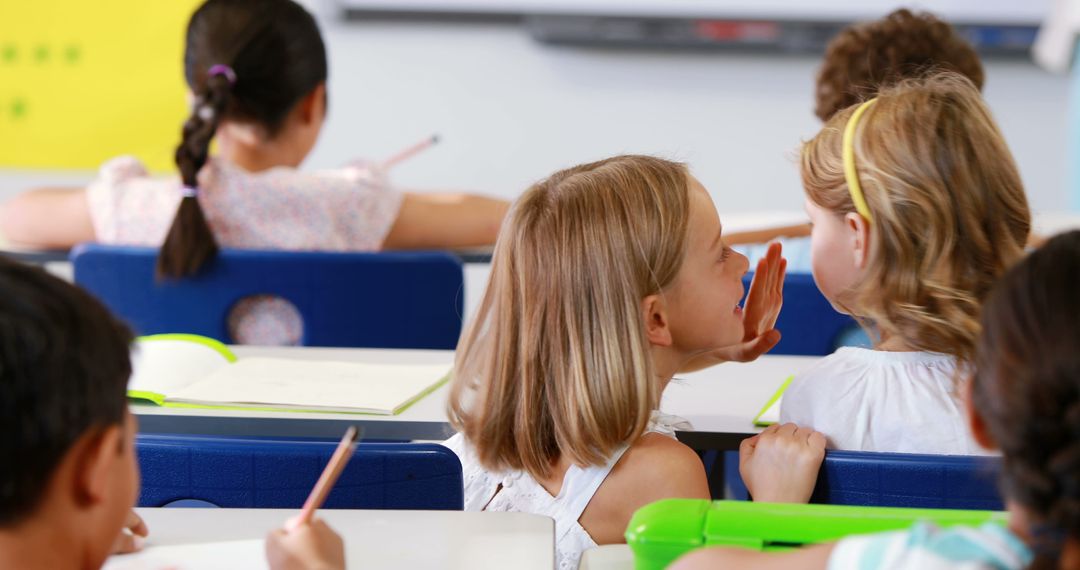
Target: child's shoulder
(658, 466)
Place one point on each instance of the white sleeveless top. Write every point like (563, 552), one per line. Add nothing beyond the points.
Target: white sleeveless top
(521, 493)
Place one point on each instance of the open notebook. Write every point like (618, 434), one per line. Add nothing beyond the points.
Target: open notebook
(770, 414)
(199, 372)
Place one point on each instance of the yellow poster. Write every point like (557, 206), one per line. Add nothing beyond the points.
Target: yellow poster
(83, 81)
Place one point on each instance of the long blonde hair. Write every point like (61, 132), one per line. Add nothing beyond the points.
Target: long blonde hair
(556, 360)
(949, 213)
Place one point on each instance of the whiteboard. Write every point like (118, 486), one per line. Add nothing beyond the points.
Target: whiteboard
(1001, 12)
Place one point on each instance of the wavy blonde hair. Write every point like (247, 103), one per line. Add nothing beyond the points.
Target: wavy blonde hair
(556, 360)
(949, 211)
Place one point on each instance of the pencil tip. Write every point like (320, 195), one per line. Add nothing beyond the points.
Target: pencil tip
(434, 138)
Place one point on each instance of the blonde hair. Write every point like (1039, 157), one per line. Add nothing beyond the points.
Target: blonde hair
(949, 213)
(556, 360)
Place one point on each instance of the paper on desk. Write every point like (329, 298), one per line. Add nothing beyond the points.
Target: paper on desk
(316, 385)
(226, 555)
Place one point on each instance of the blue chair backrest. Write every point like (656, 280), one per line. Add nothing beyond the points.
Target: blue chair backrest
(808, 323)
(908, 480)
(375, 300)
(268, 473)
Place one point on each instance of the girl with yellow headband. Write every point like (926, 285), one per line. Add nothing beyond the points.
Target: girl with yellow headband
(917, 209)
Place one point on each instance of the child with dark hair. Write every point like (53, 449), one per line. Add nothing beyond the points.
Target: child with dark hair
(69, 478)
(257, 71)
(1025, 402)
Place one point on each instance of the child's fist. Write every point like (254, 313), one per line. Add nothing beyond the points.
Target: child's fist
(780, 464)
(312, 546)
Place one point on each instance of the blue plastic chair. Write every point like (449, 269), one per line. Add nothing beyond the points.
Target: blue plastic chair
(909, 480)
(808, 323)
(266, 473)
(375, 300)
(870, 479)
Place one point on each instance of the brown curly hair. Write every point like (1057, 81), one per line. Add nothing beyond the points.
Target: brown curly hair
(867, 56)
(1026, 390)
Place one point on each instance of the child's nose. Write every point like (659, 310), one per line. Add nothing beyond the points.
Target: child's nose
(742, 262)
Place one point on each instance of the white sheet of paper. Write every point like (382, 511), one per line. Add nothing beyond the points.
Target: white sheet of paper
(309, 384)
(226, 555)
(164, 366)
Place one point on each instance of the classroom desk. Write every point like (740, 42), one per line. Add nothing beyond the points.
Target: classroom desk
(424, 420)
(720, 402)
(373, 539)
(31, 255)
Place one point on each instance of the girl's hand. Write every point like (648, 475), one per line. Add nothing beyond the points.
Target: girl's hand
(312, 546)
(761, 309)
(766, 295)
(781, 464)
(132, 536)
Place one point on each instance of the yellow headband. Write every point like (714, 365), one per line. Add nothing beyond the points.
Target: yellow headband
(850, 174)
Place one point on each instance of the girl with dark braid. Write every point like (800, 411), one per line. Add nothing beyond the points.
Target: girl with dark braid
(1024, 399)
(257, 71)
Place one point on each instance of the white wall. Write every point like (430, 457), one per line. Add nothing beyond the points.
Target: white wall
(511, 111)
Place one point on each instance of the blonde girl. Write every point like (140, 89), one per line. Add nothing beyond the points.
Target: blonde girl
(607, 279)
(917, 209)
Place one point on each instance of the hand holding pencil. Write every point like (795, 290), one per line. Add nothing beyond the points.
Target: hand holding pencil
(307, 543)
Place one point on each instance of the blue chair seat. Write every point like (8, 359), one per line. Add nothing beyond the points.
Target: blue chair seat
(270, 473)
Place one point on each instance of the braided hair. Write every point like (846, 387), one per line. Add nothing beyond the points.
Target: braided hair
(1027, 390)
(245, 60)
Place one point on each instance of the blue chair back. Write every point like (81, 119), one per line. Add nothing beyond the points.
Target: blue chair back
(808, 323)
(907, 480)
(375, 300)
(266, 473)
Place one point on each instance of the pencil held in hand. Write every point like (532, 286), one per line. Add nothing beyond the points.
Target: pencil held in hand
(326, 481)
(409, 152)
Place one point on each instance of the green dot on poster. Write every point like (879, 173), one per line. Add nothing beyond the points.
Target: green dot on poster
(18, 108)
(41, 54)
(10, 53)
(73, 54)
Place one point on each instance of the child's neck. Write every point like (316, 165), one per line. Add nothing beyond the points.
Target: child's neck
(254, 154)
(893, 343)
(33, 544)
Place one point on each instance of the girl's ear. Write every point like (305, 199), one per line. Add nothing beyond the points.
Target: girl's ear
(859, 229)
(654, 313)
(975, 421)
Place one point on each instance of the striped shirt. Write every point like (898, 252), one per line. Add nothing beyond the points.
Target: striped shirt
(927, 547)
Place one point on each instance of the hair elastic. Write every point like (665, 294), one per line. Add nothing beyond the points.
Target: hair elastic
(189, 192)
(851, 175)
(222, 69)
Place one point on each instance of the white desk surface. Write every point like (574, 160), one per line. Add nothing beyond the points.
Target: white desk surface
(607, 557)
(373, 539)
(723, 398)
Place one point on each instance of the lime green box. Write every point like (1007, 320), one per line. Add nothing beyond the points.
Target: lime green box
(662, 531)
